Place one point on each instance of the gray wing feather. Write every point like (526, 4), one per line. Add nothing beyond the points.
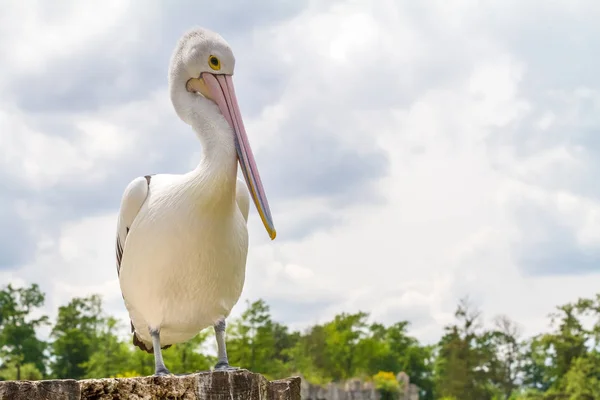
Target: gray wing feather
(133, 199)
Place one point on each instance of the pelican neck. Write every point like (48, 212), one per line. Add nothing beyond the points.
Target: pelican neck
(217, 168)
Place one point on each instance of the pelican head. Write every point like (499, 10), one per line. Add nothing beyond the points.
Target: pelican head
(201, 73)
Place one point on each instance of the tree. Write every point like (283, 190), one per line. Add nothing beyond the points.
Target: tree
(109, 355)
(343, 339)
(583, 379)
(20, 345)
(567, 342)
(392, 349)
(535, 371)
(466, 362)
(10, 371)
(307, 356)
(508, 355)
(257, 343)
(573, 351)
(469, 362)
(75, 336)
(310, 355)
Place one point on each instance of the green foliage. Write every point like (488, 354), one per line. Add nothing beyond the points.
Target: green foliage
(465, 362)
(471, 361)
(11, 371)
(19, 343)
(88, 344)
(258, 343)
(76, 336)
(108, 353)
(582, 381)
(346, 331)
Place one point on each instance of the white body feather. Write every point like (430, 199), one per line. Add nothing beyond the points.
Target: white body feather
(184, 258)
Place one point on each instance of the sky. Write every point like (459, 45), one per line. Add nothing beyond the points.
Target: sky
(413, 153)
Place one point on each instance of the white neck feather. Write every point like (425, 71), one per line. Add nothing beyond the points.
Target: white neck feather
(217, 170)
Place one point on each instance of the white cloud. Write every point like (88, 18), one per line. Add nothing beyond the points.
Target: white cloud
(36, 34)
(489, 159)
(446, 222)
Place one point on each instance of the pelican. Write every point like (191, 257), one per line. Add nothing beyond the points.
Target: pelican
(182, 240)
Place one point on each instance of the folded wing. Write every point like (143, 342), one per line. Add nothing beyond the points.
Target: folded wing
(132, 201)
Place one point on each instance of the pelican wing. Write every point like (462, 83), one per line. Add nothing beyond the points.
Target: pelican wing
(242, 198)
(133, 199)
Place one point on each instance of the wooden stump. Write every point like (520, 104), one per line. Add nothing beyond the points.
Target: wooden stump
(220, 385)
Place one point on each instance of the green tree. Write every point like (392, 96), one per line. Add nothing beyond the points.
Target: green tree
(573, 351)
(75, 336)
(469, 361)
(343, 339)
(583, 379)
(309, 355)
(466, 360)
(375, 352)
(141, 363)
(392, 349)
(20, 345)
(109, 355)
(11, 371)
(566, 343)
(258, 343)
(306, 357)
(507, 359)
(536, 373)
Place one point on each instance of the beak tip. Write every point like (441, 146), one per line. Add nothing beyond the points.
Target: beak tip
(272, 234)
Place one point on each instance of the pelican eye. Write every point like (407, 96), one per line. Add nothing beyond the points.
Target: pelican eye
(214, 63)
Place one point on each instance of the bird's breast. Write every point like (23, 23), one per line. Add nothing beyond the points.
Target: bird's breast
(184, 267)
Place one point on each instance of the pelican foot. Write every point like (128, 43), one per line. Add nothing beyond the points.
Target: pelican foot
(162, 372)
(224, 366)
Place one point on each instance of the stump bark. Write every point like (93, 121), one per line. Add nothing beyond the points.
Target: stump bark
(219, 385)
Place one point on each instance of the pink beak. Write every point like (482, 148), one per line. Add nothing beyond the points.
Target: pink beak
(222, 92)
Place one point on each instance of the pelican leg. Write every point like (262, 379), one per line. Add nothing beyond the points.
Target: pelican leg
(223, 362)
(159, 364)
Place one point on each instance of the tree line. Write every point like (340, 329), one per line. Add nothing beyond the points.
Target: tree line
(470, 361)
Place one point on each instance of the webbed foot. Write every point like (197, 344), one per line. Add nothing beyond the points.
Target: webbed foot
(162, 372)
(224, 366)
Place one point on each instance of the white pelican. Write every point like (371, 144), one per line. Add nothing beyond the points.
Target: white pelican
(182, 240)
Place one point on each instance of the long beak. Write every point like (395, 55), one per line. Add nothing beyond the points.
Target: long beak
(221, 91)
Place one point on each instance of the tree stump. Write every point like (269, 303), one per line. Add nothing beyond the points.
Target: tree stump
(219, 385)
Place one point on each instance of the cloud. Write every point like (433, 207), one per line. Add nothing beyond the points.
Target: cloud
(555, 145)
(313, 163)
(558, 233)
(87, 57)
(16, 241)
(72, 56)
(412, 153)
(97, 134)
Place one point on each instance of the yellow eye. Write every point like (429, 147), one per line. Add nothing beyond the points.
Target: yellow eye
(214, 63)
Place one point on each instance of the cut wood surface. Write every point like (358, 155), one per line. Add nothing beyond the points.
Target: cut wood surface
(231, 385)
